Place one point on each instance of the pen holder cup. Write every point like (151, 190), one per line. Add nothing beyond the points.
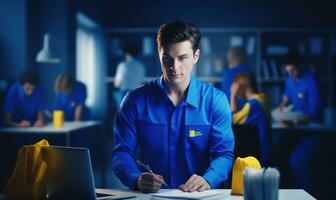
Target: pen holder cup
(58, 118)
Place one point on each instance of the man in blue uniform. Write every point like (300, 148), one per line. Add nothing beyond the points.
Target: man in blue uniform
(302, 92)
(130, 72)
(70, 98)
(255, 111)
(181, 126)
(236, 58)
(25, 102)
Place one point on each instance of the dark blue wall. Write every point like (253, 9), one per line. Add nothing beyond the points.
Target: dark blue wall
(13, 23)
(220, 13)
(52, 17)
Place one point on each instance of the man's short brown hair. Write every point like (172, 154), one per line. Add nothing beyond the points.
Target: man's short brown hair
(238, 53)
(246, 81)
(30, 76)
(178, 31)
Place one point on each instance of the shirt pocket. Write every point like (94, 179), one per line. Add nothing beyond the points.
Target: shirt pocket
(197, 137)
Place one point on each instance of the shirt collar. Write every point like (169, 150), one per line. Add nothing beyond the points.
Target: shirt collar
(193, 92)
(192, 97)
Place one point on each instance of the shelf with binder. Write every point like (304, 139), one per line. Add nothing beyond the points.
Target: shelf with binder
(270, 80)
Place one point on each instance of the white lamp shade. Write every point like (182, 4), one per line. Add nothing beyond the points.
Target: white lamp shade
(46, 55)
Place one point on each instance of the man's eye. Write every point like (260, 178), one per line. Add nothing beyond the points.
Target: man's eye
(165, 59)
(183, 58)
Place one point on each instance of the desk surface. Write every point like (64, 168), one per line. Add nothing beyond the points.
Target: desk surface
(284, 194)
(48, 128)
(308, 127)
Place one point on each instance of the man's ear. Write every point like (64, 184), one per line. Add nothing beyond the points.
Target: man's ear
(196, 55)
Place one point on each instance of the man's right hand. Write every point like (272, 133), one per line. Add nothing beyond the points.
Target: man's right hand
(24, 124)
(280, 109)
(149, 183)
(234, 89)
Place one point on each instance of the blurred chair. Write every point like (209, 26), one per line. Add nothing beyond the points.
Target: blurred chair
(246, 141)
(246, 144)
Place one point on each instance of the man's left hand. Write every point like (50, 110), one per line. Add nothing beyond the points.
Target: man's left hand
(39, 123)
(195, 183)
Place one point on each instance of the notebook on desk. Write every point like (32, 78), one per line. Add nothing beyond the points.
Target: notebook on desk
(69, 175)
(178, 194)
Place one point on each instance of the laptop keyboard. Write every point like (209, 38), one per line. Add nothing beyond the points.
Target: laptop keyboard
(101, 196)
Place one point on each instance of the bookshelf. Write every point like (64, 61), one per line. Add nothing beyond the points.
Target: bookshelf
(266, 49)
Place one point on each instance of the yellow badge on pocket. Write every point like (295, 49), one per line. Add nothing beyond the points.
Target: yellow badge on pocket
(193, 133)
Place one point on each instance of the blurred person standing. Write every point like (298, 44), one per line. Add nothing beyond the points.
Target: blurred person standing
(237, 63)
(130, 73)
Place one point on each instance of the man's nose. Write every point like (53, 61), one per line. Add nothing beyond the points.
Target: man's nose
(175, 64)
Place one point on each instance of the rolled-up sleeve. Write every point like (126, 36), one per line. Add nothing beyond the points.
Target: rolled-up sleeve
(123, 162)
(221, 143)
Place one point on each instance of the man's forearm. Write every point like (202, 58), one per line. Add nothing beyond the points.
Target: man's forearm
(78, 113)
(40, 116)
(233, 104)
(219, 169)
(125, 168)
(304, 120)
(9, 121)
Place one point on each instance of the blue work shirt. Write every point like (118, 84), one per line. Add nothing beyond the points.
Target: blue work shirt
(69, 102)
(194, 137)
(24, 107)
(304, 94)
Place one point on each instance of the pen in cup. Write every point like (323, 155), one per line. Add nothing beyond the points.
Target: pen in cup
(147, 168)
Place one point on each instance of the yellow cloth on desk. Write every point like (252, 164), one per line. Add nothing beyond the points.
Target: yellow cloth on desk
(237, 174)
(28, 178)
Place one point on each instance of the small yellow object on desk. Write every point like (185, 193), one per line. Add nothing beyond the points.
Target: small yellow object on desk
(58, 118)
(237, 173)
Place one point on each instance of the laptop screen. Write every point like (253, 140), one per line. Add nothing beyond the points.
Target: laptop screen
(69, 173)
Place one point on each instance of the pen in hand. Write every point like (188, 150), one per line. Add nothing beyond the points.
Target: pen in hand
(147, 168)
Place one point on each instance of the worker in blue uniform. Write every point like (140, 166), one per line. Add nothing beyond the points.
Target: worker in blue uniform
(181, 126)
(70, 98)
(254, 111)
(237, 63)
(25, 102)
(302, 92)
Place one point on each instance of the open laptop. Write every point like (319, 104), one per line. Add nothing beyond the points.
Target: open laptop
(69, 175)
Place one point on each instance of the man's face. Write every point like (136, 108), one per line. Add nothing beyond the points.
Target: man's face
(177, 61)
(230, 60)
(292, 70)
(241, 88)
(28, 89)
